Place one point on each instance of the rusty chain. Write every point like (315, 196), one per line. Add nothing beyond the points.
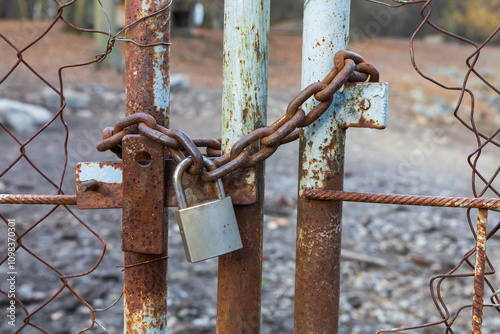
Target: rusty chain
(348, 66)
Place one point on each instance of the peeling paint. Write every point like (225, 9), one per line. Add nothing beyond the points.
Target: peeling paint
(161, 88)
(246, 35)
(244, 109)
(321, 166)
(99, 172)
(317, 61)
(146, 73)
(145, 320)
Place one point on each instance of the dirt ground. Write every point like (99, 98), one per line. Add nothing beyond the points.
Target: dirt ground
(391, 252)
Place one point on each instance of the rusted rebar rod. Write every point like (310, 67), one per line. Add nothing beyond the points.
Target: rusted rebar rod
(454, 202)
(477, 301)
(38, 199)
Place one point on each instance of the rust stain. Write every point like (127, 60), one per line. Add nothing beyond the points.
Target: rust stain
(479, 275)
(143, 227)
(365, 104)
(257, 47)
(144, 222)
(107, 195)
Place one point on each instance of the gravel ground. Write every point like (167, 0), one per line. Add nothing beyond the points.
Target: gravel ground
(391, 252)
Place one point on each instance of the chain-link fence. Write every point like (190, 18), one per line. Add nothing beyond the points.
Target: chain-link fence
(476, 85)
(43, 243)
(24, 164)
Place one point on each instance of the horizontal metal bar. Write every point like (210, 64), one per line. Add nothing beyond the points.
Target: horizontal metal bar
(454, 202)
(109, 194)
(38, 199)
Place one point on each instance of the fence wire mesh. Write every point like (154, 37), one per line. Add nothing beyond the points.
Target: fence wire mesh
(37, 311)
(482, 182)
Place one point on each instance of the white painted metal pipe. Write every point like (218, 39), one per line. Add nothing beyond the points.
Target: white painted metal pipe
(246, 45)
(326, 31)
(321, 166)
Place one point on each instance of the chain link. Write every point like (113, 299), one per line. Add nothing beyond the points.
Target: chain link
(348, 66)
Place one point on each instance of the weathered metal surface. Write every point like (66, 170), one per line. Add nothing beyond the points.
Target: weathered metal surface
(143, 229)
(147, 91)
(244, 100)
(321, 165)
(147, 68)
(245, 69)
(108, 175)
(240, 273)
(454, 202)
(109, 192)
(363, 105)
(38, 199)
(480, 271)
(145, 293)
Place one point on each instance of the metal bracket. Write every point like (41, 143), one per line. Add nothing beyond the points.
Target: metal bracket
(362, 105)
(144, 226)
(106, 192)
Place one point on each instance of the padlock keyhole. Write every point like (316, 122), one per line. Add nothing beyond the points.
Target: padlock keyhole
(143, 158)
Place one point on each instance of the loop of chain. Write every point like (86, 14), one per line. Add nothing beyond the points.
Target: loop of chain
(348, 66)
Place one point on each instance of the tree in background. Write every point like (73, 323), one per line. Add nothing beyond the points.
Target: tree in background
(475, 20)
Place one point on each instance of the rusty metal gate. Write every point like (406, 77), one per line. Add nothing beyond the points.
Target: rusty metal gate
(340, 91)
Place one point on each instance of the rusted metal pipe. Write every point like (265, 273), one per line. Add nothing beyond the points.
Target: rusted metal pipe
(321, 165)
(246, 45)
(147, 78)
(477, 301)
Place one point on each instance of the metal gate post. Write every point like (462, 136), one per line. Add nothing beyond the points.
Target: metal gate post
(144, 220)
(321, 166)
(246, 44)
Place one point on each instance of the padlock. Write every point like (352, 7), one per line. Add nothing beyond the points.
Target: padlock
(208, 229)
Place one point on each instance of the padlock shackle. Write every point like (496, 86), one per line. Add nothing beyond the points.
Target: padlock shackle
(179, 171)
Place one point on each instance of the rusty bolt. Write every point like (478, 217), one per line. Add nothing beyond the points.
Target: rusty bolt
(365, 104)
(90, 185)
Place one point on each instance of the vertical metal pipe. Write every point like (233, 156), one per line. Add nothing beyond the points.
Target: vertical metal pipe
(321, 166)
(147, 78)
(246, 45)
(477, 304)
